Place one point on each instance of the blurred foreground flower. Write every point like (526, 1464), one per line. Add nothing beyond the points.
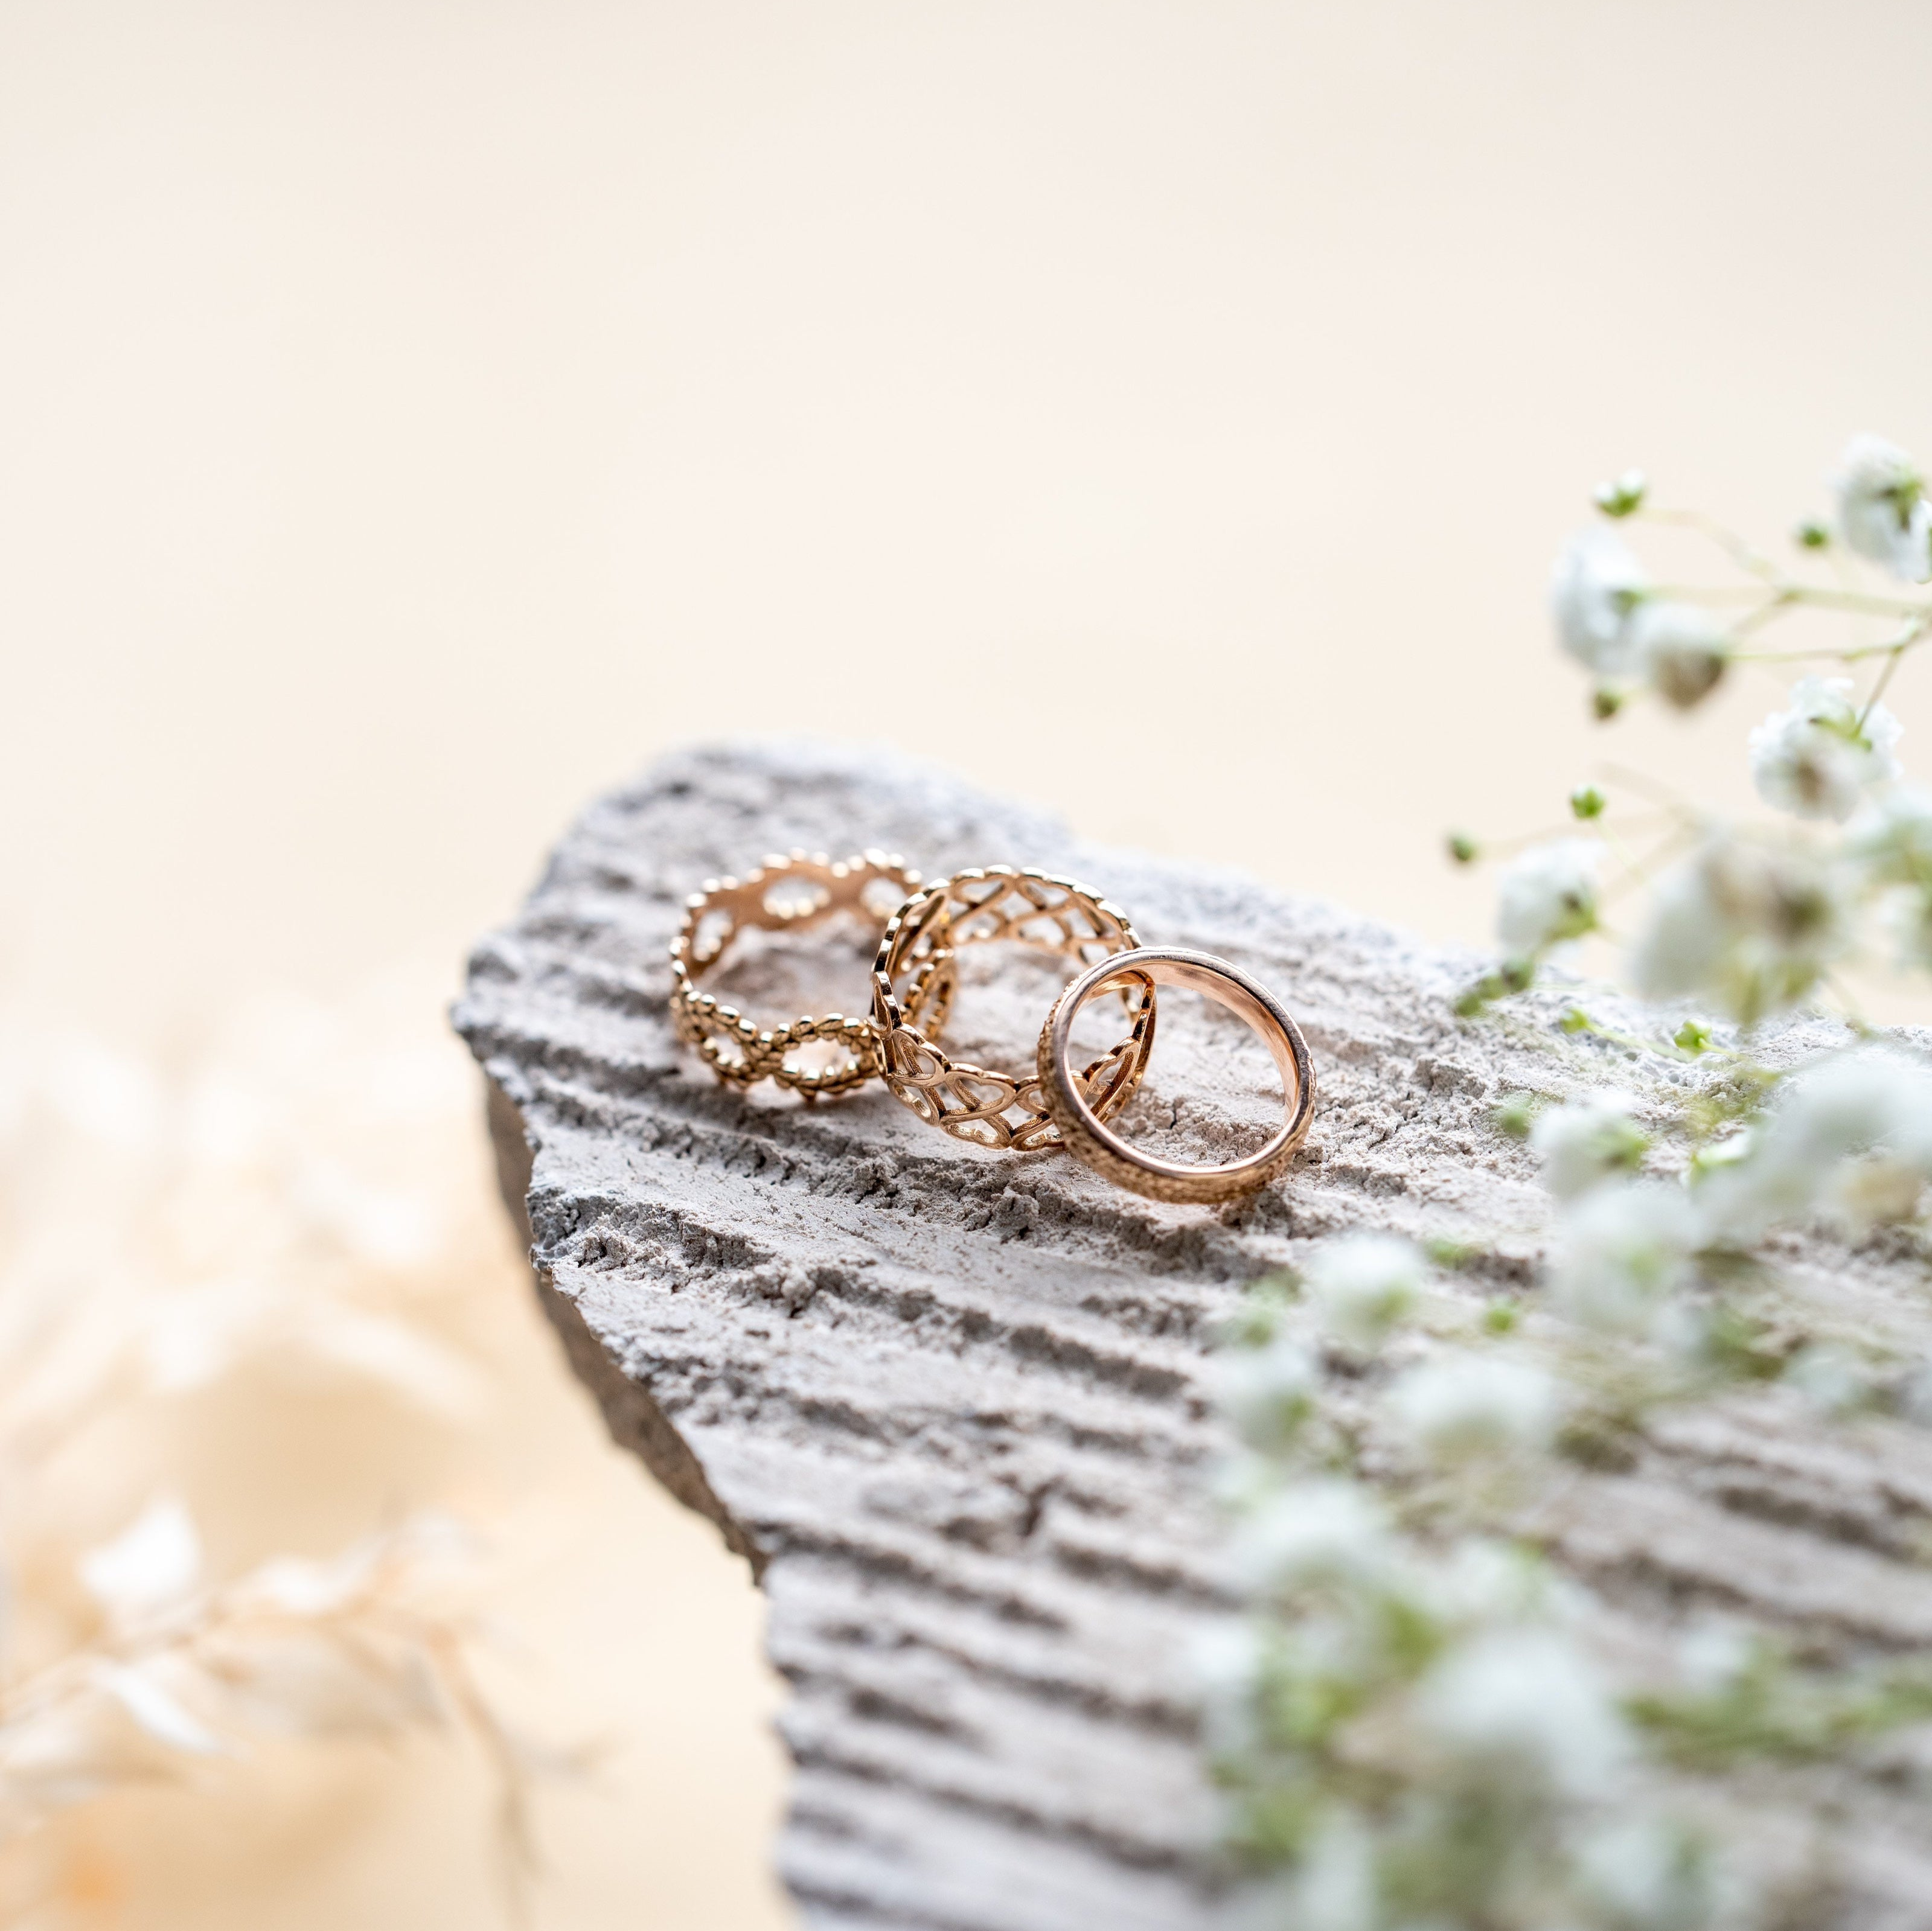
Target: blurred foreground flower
(286, 1220)
(1882, 511)
(1419, 1723)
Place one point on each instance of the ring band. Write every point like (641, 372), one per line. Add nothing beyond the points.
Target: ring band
(787, 894)
(993, 902)
(1083, 1128)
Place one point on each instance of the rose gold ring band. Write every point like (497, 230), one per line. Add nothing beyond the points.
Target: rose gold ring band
(1091, 1140)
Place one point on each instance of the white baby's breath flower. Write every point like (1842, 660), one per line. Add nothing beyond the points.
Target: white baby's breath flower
(1588, 1140)
(1816, 759)
(1267, 1392)
(1679, 650)
(1336, 1887)
(1832, 1379)
(1892, 837)
(1882, 511)
(1651, 1874)
(1327, 1531)
(1595, 585)
(1525, 1707)
(1853, 1133)
(1484, 1582)
(1363, 1284)
(154, 1565)
(1891, 841)
(1878, 1190)
(1226, 1663)
(1466, 1408)
(1749, 923)
(1548, 894)
(1714, 1654)
(1623, 1250)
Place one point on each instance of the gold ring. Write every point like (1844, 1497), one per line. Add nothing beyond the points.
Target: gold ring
(920, 945)
(782, 895)
(1082, 1125)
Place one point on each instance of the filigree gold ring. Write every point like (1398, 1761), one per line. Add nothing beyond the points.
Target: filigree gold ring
(1082, 1125)
(912, 981)
(789, 894)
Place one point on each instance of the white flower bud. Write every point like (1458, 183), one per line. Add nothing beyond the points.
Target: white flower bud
(1595, 585)
(1475, 1407)
(1882, 511)
(1892, 842)
(1547, 895)
(1679, 650)
(1527, 1708)
(1267, 1393)
(1853, 1134)
(1362, 1283)
(1588, 1140)
(1316, 1532)
(1748, 923)
(1816, 759)
(1625, 1250)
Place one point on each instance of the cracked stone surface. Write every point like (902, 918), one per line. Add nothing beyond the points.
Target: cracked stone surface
(951, 1404)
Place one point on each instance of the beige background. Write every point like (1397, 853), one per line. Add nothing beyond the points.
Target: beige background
(412, 414)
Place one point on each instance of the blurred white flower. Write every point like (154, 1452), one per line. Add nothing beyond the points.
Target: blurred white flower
(1595, 585)
(1748, 923)
(1363, 1284)
(1337, 1889)
(1854, 1133)
(1315, 1532)
(153, 1705)
(1832, 1379)
(1267, 1392)
(1226, 1661)
(1464, 1407)
(1892, 838)
(301, 1205)
(154, 1565)
(1525, 1706)
(1714, 1654)
(1650, 1874)
(1623, 1250)
(1588, 1140)
(1882, 511)
(1816, 759)
(1679, 650)
(1878, 1190)
(1483, 1581)
(1891, 841)
(1548, 894)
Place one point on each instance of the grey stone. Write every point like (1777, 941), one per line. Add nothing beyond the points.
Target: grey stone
(952, 1405)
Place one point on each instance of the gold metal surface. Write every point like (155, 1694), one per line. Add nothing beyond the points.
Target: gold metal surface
(788, 894)
(1082, 1125)
(973, 907)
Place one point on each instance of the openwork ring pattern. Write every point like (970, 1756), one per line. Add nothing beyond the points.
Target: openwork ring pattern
(912, 981)
(786, 894)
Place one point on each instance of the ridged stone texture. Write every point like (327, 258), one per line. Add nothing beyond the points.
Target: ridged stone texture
(951, 1404)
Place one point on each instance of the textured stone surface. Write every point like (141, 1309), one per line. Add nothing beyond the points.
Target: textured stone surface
(950, 1404)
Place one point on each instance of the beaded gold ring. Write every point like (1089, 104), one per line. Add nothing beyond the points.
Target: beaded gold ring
(787, 894)
(919, 948)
